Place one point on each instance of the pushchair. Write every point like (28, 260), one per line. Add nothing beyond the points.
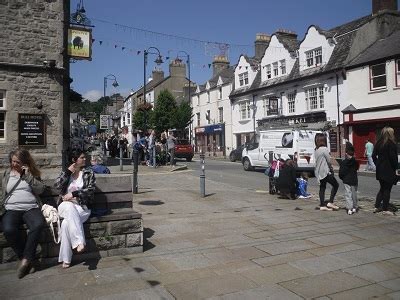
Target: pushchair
(273, 173)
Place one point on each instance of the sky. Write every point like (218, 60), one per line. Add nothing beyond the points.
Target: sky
(123, 29)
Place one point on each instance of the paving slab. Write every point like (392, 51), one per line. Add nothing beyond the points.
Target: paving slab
(286, 247)
(209, 287)
(376, 272)
(282, 258)
(322, 264)
(393, 284)
(368, 255)
(331, 239)
(272, 291)
(325, 284)
(373, 291)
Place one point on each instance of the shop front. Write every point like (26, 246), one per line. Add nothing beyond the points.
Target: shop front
(210, 139)
(363, 124)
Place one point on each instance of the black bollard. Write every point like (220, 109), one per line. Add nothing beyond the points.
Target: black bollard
(202, 176)
(121, 168)
(135, 157)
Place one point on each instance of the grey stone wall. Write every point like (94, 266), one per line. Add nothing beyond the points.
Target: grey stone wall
(31, 32)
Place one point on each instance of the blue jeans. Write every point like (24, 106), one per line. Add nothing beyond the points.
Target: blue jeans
(370, 164)
(12, 220)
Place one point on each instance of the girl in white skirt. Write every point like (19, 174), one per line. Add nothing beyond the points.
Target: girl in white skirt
(77, 185)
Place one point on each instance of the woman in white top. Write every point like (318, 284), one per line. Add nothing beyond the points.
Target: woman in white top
(324, 173)
(77, 185)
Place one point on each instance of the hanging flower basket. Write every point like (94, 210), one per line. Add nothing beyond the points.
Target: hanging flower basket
(145, 107)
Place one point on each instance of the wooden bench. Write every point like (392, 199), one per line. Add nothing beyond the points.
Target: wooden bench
(118, 232)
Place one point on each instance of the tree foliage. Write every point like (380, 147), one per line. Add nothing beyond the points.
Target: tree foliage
(163, 117)
(183, 116)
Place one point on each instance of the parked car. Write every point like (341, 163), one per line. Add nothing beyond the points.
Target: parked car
(183, 149)
(236, 154)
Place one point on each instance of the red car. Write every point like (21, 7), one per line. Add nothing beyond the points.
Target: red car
(183, 149)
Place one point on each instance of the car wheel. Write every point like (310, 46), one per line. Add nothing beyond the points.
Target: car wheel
(247, 165)
(232, 157)
(189, 158)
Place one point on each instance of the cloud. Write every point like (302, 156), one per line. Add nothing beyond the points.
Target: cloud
(93, 95)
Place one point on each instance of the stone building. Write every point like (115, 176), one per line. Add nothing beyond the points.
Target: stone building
(34, 79)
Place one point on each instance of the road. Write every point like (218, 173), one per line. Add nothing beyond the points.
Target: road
(232, 173)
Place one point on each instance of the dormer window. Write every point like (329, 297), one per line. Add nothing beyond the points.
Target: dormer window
(275, 68)
(314, 57)
(244, 78)
(268, 68)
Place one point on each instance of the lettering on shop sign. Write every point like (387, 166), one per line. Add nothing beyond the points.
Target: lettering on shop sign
(31, 130)
(297, 121)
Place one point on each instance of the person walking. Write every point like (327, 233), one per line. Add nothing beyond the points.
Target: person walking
(152, 145)
(21, 186)
(77, 185)
(171, 141)
(324, 173)
(369, 149)
(348, 173)
(386, 162)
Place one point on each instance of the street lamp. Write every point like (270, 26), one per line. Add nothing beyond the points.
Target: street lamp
(158, 61)
(189, 92)
(114, 84)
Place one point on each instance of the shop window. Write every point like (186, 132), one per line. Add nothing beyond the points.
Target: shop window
(377, 75)
(221, 114)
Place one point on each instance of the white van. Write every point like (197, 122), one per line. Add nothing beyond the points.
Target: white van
(282, 144)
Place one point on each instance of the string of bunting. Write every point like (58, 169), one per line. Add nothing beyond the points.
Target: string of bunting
(134, 51)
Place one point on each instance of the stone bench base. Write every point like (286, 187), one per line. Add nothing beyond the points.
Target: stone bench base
(118, 233)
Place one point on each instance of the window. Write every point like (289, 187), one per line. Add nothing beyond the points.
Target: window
(268, 68)
(245, 110)
(398, 72)
(208, 117)
(291, 103)
(198, 119)
(198, 100)
(244, 78)
(265, 106)
(275, 67)
(221, 115)
(283, 67)
(129, 119)
(2, 114)
(220, 92)
(208, 96)
(378, 76)
(315, 98)
(314, 54)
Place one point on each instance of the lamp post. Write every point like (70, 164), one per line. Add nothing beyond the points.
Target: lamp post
(158, 61)
(190, 87)
(114, 84)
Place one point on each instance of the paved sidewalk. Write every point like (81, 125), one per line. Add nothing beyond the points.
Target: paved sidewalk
(232, 244)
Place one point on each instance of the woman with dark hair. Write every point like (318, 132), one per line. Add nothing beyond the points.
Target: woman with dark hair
(77, 185)
(324, 173)
(386, 162)
(287, 180)
(21, 186)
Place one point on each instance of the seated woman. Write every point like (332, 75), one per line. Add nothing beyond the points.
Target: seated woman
(287, 180)
(77, 185)
(97, 165)
(20, 204)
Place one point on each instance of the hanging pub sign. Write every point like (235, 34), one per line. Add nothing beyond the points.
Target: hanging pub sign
(80, 43)
(104, 121)
(31, 130)
(272, 106)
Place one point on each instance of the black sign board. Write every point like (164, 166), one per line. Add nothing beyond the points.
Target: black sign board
(333, 140)
(31, 130)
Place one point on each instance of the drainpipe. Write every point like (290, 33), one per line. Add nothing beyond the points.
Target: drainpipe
(338, 114)
(254, 117)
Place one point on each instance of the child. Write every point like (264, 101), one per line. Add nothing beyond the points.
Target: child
(348, 174)
(302, 184)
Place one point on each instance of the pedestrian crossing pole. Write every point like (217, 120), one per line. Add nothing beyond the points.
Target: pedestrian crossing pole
(202, 176)
(135, 157)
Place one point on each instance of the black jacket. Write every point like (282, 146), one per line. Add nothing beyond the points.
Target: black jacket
(348, 171)
(287, 179)
(386, 162)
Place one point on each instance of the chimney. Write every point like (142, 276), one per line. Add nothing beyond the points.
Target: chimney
(177, 68)
(220, 63)
(158, 75)
(383, 5)
(287, 32)
(261, 43)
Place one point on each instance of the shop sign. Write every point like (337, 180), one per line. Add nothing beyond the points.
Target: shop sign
(333, 140)
(210, 129)
(272, 106)
(31, 130)
(104, 121)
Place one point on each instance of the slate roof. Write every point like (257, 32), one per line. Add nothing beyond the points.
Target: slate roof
(343, 35)
(227, 75)
(387, 47)
(289, 41)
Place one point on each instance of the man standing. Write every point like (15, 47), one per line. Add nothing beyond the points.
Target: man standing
(151, 147)
(369, 148)
(171, 141)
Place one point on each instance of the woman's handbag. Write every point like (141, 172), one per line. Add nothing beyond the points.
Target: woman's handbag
(51, 216)
(276, 173)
